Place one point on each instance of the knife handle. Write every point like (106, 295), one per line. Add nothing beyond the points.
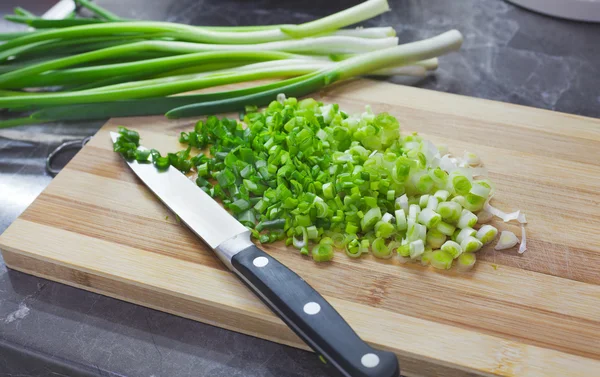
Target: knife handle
(310, 316)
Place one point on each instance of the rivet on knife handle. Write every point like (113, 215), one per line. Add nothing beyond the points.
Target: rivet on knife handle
(310, 316)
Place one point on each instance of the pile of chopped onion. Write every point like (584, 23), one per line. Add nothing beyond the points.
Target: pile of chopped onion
(321, 179)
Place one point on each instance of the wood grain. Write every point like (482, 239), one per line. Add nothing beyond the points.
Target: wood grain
(537, 314)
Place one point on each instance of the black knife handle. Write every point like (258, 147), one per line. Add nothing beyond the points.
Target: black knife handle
(311, 317)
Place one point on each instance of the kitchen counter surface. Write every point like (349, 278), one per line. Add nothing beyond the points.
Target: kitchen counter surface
(47, 328)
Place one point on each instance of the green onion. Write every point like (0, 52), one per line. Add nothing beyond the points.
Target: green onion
(416, 249)
(464, 233)
(426, 257)
(423, 200)
(471, 244)
(13, 35)
(429, 218)
(320, 178)
(55, 74)
(466, 261)
(441, 260)
(101, 12)
(380, 249)
(461, 184)
(350, 16)
(432, 203)
(474, 202)
(384, 229)
(401, 223)
(23, 12)
(459, 199)
(442, 195)
(452, 248)
(467, 219)
(370, 218)
(353, 249)
(345, 69)
(404, 250)
(480, 190)
(322, 253)
(446, 228)
(90, 68)
(402, 203)
(486, 234)
(449, 211)
(435, 238)
(413, 211)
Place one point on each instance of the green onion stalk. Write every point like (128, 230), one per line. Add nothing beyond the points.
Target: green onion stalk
(364, 11)
(356, 66)
(116, 67)
(192, 105)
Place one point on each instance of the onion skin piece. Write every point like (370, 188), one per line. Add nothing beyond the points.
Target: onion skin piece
(506, 241)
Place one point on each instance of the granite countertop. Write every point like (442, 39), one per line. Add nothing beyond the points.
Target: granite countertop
(47, 328)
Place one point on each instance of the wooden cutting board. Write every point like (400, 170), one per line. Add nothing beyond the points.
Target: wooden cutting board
(538, 314)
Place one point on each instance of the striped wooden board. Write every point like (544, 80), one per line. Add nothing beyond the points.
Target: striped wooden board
(537, 314)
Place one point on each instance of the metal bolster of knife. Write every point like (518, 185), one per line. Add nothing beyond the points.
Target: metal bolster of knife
(228, 249)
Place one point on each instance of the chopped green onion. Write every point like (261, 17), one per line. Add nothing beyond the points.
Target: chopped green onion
(322, 253)
(416, 249)
(445, 228)
(461, 184)
(402, 203)
(338, 240)
(426, 257)
(471, 244)
(429, 218)
(474, 203)
(467, 219)
(442, 195)
(326, 240)
(486, 234)
(449, 211)
(364, 246)
(441, 260)
(303, 242)
(435, 238)
(380, 249)
(387, 217)
(481, 190)
(384, 229)
(370, 219)
(401, 224)
(416, 231)
(466, 261)
(471, 159)
(353, 249)
(452, 248)
(404, 250)
(312, 232)
(432, 203)
(413, 211)
(464, 233)
(460, 200)
(319, 178)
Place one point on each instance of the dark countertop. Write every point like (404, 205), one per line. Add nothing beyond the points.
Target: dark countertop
(47, 328)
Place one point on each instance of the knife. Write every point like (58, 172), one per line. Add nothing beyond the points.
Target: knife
(302, 308)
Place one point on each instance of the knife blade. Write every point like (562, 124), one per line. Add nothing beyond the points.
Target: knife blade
(299, 305)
